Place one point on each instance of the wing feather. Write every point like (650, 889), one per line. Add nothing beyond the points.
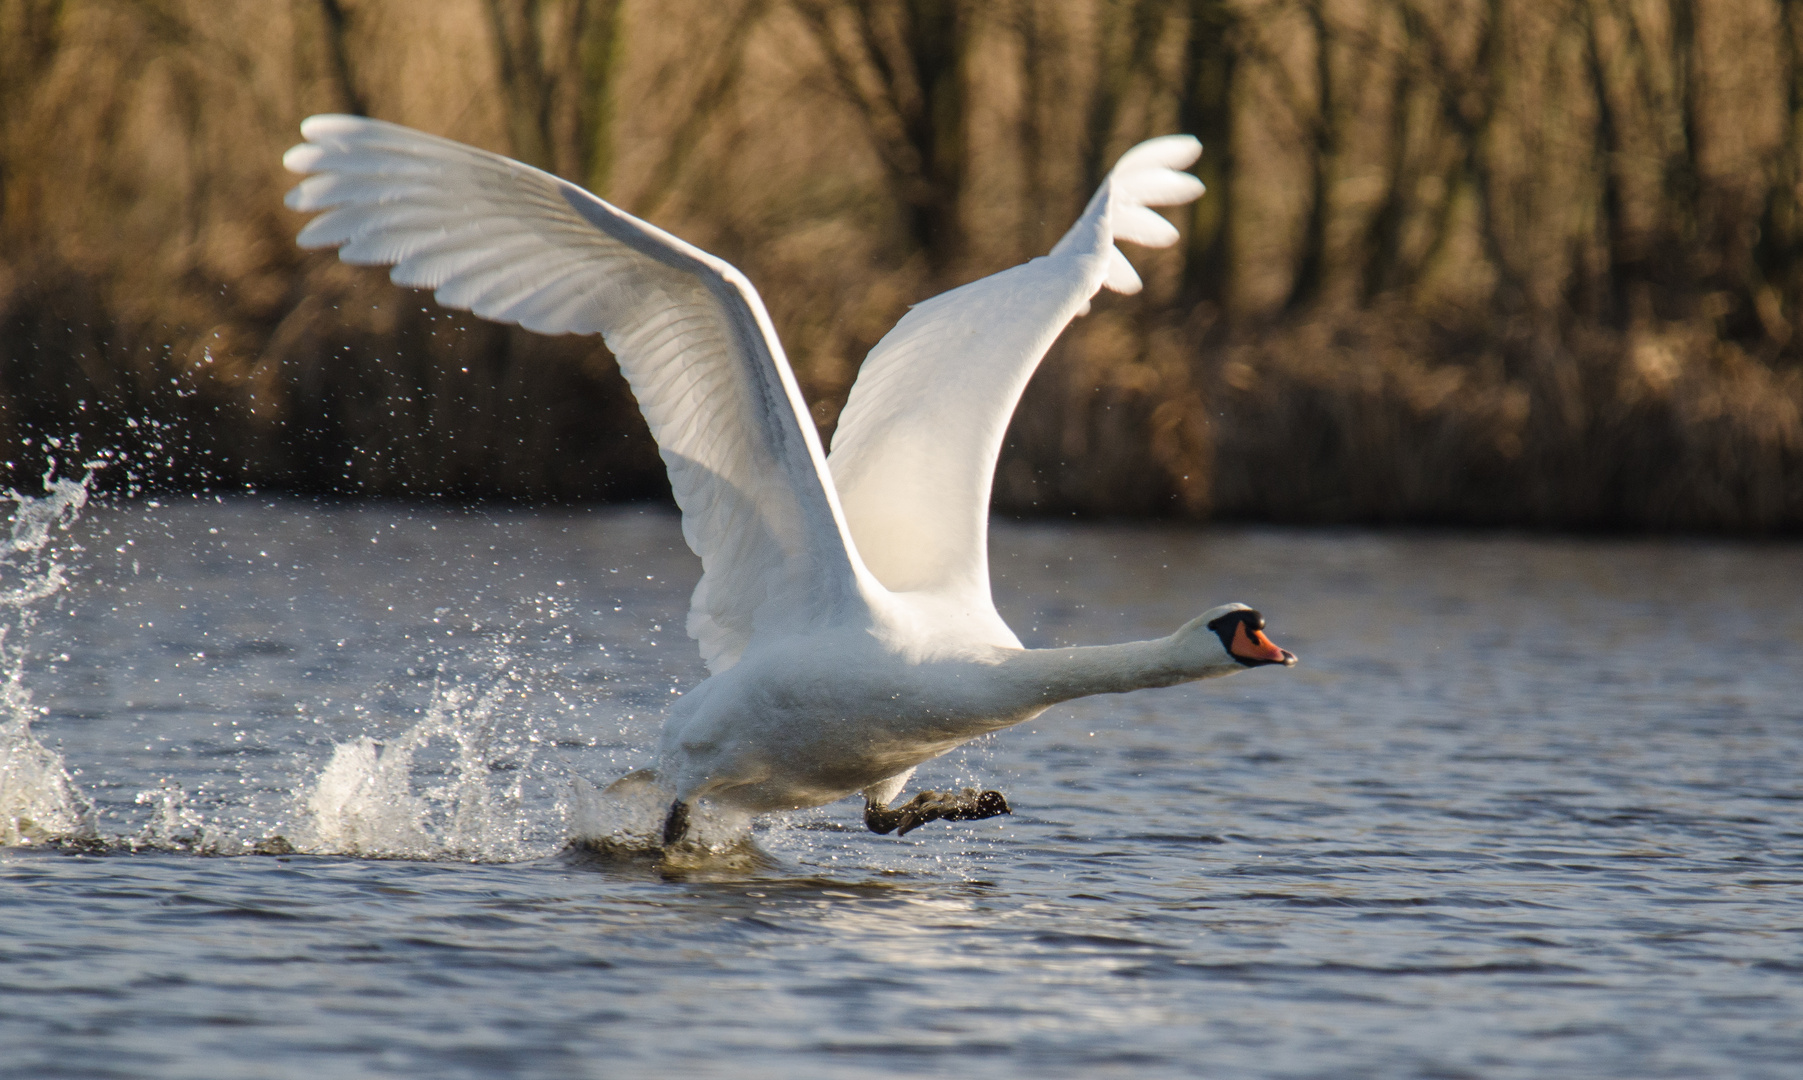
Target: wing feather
(514, 244)
(914, 454)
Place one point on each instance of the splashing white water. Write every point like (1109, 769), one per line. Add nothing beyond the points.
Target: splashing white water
(481, 773)
(175, 825)
(625, 822)
(380, 800)
(628, 815)
(39, 801)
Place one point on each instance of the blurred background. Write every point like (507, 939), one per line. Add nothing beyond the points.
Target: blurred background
(1461, 261)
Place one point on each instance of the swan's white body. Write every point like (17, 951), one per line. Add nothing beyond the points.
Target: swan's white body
(811, 718)
(844, 609)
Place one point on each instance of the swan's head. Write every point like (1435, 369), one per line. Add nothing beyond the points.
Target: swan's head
(1230, 638)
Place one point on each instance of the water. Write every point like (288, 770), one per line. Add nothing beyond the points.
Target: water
(1529, 807)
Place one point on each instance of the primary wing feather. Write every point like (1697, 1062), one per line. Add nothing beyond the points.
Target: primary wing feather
(517, 245)
(914, 453)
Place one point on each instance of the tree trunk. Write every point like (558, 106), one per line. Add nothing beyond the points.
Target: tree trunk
(1205, 110)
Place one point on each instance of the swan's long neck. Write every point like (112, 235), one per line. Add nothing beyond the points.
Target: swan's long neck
(1048, 676)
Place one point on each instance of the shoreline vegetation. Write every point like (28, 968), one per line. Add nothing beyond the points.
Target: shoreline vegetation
(1464, 262)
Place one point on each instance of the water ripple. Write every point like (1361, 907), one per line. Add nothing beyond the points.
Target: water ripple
(1439, 848)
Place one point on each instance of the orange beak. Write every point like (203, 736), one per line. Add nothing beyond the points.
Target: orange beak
(1254, 645)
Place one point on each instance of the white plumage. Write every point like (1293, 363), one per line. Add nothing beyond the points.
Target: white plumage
(844, 605)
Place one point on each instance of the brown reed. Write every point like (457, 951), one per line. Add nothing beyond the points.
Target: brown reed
(1461, 262)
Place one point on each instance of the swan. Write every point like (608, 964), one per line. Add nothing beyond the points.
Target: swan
(844, 608)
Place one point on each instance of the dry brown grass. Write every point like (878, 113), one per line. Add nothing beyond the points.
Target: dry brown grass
(1464, 262)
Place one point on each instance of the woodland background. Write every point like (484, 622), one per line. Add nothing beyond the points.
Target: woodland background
(1536, 263)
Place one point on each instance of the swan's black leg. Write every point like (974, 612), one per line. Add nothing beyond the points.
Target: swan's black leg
(968, 805)
(977, 805)
(676, 825)
(880, 819)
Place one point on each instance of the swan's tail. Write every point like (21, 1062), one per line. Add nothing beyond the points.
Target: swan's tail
(623, 824)
(633, 783)
(625, 815)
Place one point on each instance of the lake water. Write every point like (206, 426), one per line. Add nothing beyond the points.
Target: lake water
(1529, 807)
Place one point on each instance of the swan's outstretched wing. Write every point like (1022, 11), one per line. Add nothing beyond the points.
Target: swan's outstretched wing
(517, 245)
(914, 454)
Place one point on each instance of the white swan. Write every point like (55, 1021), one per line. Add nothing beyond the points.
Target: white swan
(844, 608)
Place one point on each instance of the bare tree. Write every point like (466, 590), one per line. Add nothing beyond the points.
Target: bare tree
(714, 94)
(335, 24)
(901, 64)
(1041, 35)
(556, 64)
(1324, 132)
(30, 34)
(1125, 42)
(1206, 87)
(1778, 258)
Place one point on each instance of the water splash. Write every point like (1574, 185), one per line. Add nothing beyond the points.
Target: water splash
(623, 823)
(39, 801)
(375, 799)
(481, 771)
(627, 817)
(174, 824)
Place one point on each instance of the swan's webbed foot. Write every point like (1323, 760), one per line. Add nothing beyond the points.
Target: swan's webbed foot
(676, 823)
(968, 805)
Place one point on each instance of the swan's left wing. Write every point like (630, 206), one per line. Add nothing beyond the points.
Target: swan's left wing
(914, 454)
(517, 245)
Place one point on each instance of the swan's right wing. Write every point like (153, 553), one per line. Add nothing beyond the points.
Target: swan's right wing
(914, 454)
(517, 245)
